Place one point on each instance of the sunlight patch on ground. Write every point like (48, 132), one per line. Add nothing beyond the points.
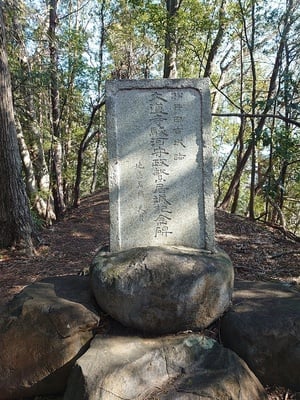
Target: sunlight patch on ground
(16, 289)
(4, 257)
(231, 237)
(82, 235)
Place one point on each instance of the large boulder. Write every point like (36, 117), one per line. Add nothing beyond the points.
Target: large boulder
(186, 366)
(43, 330)
(263, 328)
(163, 289)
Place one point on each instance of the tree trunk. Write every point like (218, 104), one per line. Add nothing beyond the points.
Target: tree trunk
(251, 46)
(236, 195)
(170, 67)
(242, 128)
(217, 42)
(100, 71)
(16, 225)
(95, 165)
(80, 155)
(57, 163)
(37, 178)
(38, 202)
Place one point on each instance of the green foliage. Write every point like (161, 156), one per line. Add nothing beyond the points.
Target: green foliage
(133, 46)
(38, 222)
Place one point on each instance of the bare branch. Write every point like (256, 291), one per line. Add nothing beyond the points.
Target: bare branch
(249, 115)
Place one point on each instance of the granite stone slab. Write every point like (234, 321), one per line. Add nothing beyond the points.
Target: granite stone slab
(160, 163)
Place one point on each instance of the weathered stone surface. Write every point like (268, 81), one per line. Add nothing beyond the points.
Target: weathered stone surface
(163, 289)
(263, 327)
(173, 367)
(43, 330)
(160, 163)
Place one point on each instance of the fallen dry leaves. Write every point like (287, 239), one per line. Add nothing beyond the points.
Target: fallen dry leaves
(257, 252)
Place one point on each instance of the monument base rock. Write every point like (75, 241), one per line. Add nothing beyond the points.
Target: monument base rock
(263, 327)
(162, 290)
(43, 330)
(186, 367)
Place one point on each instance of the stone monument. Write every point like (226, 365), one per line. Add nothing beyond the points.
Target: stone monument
(160, 163)
(163, 273)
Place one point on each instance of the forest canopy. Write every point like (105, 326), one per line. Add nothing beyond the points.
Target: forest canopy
(60, 53)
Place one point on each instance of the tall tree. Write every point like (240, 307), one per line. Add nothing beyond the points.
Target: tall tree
(88, 135)
(250, 43)
(57, 161)
(217, 41)
(171, 44)
(28, 130)
(16, 225)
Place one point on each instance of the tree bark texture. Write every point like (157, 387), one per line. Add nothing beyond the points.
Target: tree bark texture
(217, 41)
(37, 178)
(170, 67)
(57, 153)
(42, 206)
(16, 224)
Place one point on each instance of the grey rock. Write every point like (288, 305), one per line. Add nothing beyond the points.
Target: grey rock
(163, 289)
(171, 367)
(263, 328)
(43, 330)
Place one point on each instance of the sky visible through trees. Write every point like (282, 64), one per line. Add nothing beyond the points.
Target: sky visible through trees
(62, 52)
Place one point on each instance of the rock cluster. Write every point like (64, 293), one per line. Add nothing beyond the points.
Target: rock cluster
(49, 344)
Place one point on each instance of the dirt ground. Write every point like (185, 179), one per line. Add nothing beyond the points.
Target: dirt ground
(257, 253)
